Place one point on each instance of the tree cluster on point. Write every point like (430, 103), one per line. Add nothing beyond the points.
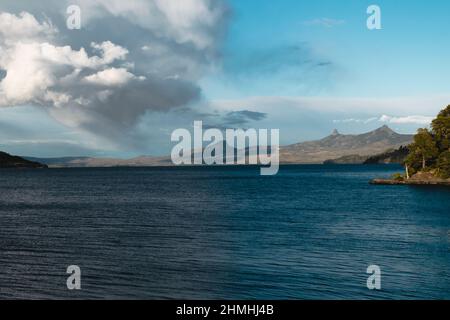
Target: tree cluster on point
(430, 151)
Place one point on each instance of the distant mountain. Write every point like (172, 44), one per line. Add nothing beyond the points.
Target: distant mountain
(9, 161)
(354, 149)
(339, 145)
(141, 161)
(86, 162)
(54, 161)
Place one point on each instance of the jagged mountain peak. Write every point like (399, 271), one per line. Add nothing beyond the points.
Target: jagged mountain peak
(335, 132)
(385, 128)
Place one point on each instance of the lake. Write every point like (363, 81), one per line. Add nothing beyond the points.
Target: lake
(309, 232)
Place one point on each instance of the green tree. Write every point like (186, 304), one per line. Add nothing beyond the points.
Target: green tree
(431, 149)
(412, 163)
(443, 164)
(441, 129)
(422, 150)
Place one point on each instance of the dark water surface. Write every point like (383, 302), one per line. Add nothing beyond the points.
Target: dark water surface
(308, 233)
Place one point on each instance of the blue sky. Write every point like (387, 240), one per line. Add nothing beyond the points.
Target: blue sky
(304, 67)
(409, 55)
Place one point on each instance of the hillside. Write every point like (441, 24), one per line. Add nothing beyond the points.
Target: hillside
(390, 156)
(351, 159)
(90, 162)
(9, 161)
(339, 145)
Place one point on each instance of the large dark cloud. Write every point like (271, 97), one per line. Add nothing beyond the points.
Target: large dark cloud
(166, 52)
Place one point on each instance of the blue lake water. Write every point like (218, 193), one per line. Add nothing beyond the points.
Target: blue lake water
(309, 232)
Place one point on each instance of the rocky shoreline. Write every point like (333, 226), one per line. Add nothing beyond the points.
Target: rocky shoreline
(420, 178)
(437, 182)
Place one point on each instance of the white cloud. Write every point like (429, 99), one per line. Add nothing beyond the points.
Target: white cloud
(112, 77)
(109, 52)
(28, 76)
(23, 26)
(353, 120)
(34, 69)
(418, 120)
(421, 120)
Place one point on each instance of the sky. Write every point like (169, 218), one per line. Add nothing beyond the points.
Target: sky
(137, 70)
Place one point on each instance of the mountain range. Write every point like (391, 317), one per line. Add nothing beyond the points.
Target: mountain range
(341, 148)
(339, 145)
